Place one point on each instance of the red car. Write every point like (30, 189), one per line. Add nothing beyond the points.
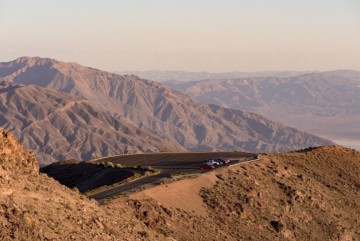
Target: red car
(206, 166)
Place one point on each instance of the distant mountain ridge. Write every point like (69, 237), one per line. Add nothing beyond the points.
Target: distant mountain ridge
(152, 108)
(326, 103)
(185, 76)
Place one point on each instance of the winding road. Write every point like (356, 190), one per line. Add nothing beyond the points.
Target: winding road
(169, 164)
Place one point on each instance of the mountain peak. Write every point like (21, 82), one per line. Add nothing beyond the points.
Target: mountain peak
(34, 60)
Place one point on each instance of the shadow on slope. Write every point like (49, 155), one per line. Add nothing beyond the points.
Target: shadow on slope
(86, 176)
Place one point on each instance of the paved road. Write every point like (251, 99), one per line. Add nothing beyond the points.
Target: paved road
(154, 180)
(168, 169)
(158, 160)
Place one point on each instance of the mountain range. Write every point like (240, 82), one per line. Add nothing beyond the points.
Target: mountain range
(186, 76)
(324, 103)
(64, 109)
(56, 125)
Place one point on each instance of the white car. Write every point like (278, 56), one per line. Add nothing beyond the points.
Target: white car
(211, 163)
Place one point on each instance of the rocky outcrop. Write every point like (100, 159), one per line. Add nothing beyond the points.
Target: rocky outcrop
(13, 157)
(36, 207)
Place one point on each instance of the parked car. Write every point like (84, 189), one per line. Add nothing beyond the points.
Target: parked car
(206, 166)
(209, 164)
(222, 160)
(212, 162)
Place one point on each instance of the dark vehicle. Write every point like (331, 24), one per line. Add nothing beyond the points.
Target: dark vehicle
(222, 160)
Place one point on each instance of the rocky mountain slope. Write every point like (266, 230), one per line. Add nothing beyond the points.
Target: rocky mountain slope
(58, 126)
(326, 104)
(156, 109)
(306, 195)
(35, 207)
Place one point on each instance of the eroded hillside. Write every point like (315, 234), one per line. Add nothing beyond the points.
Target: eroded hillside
(58, 126)
(35, 207)
(308, 195)
(297, 196)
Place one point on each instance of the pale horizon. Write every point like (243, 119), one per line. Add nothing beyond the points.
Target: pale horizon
(193, 36)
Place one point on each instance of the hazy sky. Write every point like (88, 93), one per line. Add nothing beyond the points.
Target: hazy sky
(193, 35)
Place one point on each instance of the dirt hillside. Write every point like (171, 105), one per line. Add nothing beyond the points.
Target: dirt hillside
(306, 195)
(36, 207)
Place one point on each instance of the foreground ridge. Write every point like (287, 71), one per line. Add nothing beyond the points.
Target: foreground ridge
(303, 195)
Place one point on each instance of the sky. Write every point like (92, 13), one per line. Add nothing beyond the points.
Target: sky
(188, 35)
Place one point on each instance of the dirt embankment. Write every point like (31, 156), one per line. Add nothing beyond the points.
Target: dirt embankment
(183, 194)
(306, 195)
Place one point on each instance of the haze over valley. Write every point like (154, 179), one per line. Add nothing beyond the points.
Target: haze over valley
(322, 103)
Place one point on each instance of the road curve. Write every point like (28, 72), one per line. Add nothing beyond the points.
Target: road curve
(165, 173)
